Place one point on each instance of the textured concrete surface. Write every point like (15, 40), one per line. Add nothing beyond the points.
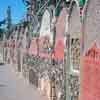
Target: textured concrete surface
(13, 87)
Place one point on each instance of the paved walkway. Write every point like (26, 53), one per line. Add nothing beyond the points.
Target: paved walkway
(14, 88)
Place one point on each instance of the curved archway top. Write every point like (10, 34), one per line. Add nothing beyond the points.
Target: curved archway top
(74, 19)
(61, 22)
(45, 23)
(45, 29)
(73, 3)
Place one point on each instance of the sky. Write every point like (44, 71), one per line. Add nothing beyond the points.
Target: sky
(17, 7)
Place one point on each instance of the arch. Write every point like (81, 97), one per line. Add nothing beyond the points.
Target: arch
(60, 35)
(45, 29)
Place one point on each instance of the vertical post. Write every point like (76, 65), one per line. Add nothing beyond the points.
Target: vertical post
(82, 29)
(67, 69)
(67, 62)
(3, 47)
(53, 88)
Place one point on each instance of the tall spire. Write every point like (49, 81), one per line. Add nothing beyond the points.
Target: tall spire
(8, 21)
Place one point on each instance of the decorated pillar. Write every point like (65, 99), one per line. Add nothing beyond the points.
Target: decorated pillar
(73, 51)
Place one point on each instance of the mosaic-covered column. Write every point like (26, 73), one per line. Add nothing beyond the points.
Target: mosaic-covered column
(74, 33)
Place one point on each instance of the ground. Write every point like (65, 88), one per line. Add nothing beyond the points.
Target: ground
(13, 87)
